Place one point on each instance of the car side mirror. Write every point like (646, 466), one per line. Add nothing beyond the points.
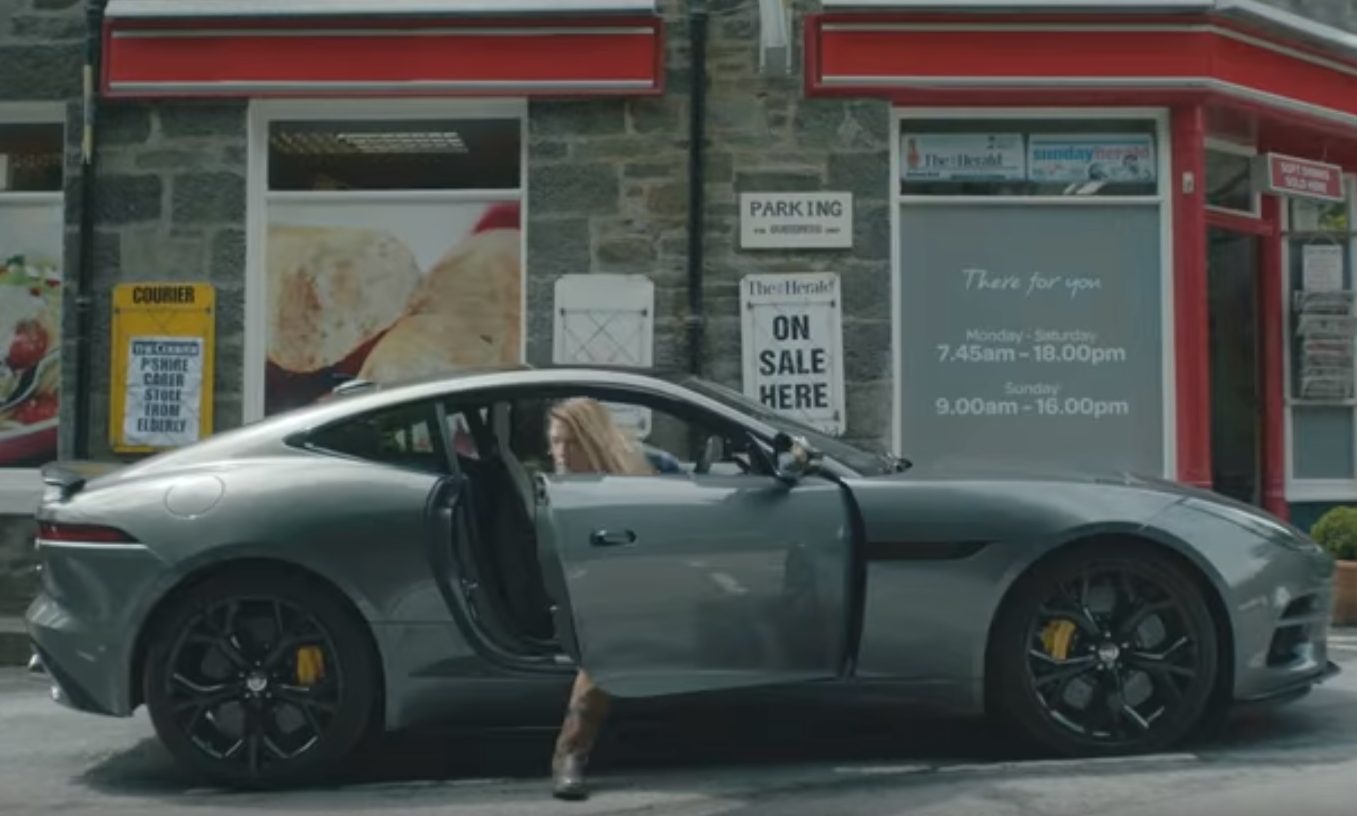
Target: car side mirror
(794, 457)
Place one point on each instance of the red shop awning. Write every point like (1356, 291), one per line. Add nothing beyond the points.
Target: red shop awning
(1013, 52)
(258, 48)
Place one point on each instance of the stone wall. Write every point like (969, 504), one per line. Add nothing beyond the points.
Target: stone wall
(169, 206)
(608, 193)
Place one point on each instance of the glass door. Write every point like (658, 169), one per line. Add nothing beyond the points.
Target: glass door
(1236, 364)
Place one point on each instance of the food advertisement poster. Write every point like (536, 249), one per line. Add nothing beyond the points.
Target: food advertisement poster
(388, 291)
(30, 332)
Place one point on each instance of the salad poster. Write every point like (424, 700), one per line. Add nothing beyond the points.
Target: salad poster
(30, 332)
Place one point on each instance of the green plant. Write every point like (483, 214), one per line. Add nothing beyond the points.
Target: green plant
(1336, 531)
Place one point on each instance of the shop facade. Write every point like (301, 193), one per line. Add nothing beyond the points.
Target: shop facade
(1056, 242)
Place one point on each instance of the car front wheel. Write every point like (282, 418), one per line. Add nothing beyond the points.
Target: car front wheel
(259, 679)
(1107, 649)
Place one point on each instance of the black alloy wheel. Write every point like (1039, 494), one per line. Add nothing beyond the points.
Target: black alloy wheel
(1106, 650)
(260, 679)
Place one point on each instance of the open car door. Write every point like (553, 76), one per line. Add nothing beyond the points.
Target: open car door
(673, 584)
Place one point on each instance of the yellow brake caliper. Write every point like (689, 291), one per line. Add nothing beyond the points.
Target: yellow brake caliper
(1055, 638)
(310, 665)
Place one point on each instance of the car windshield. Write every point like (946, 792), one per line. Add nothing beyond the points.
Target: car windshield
(861, 458)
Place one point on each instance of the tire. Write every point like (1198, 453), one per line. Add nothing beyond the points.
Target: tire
(234, 722)
(1046, 665)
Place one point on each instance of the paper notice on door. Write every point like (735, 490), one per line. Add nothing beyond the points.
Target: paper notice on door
(1322, 268)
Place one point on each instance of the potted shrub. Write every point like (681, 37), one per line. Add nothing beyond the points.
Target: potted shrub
(1336, 531)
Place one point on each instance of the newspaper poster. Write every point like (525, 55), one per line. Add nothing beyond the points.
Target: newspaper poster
(1106, 157)
(963, 157)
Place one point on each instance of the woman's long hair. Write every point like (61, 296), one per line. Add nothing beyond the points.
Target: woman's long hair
(606, 447)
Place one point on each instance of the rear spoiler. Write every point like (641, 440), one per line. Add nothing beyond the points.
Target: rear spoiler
(70, 477)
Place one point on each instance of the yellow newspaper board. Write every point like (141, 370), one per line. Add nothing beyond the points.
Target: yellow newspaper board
(164, 338)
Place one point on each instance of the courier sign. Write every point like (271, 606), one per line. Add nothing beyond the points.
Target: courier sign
(163, 345)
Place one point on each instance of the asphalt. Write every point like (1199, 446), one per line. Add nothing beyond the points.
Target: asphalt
(1298, 760)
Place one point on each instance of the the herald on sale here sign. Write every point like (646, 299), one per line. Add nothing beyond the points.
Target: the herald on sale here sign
(1288, 175)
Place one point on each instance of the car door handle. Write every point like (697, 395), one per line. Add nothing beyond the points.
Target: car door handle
(612, 538)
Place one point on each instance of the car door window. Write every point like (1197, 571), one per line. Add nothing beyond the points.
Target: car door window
(403, 437)
(677, 442)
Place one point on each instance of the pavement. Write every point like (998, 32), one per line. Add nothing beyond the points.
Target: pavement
(1298, 760)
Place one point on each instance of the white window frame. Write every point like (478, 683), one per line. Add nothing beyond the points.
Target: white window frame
(262, 113)
(21, 488)
(1298, 490)
(1219, 145)
(1163, 200)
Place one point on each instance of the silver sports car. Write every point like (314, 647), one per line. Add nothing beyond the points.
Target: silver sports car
(396, 555)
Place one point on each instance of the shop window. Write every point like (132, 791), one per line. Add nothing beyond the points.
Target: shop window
(30, 157)
(1229, 181)
(1031, 292)
(1028, 157)
(1322, 332)
(31, 242)
(401, 155)
(392, 245)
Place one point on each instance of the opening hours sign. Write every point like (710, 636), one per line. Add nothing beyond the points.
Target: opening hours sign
(793, 346)
(163, 343)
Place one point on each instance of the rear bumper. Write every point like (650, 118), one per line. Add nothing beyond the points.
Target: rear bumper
(86, 667)
(83, 623)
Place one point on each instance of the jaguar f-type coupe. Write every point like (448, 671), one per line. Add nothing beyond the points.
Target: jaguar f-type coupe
(395, 555)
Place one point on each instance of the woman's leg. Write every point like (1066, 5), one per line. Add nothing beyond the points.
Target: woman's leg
(584, 717)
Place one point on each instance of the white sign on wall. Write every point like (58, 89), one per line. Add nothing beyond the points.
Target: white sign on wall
(164, 388)
(793, 346)
(796, 220)
(607, 320)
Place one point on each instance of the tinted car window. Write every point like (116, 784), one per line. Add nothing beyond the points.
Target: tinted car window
(403, 437)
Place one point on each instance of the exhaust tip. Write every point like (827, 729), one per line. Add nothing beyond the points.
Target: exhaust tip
(35, 666)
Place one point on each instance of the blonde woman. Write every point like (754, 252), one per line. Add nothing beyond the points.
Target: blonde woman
(584, 439)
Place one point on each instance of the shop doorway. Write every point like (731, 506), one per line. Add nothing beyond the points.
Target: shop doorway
(1234, 314)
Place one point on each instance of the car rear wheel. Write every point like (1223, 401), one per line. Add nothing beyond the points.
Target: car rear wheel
(1107, 649)
(259, 679)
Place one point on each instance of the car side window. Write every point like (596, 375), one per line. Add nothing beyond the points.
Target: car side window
(404, 437)
(673, 442)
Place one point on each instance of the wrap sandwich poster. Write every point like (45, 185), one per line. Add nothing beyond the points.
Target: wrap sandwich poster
(388, 292)
(30, 332)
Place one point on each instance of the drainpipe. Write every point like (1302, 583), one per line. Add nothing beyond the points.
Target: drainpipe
(84, 303)
(697, 114)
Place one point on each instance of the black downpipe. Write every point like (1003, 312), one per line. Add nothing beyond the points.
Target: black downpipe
(697, 116)
(84, 300)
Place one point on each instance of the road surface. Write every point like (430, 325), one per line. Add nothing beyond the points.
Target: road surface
(1298, 760)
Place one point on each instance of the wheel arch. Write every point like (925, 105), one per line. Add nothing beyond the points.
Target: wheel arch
(247, 564)
(1194, 567)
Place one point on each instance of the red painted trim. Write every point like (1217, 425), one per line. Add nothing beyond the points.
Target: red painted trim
(1192, 341)
(891, 61)
(1247, 224)
(1272, 338)
(464, 58)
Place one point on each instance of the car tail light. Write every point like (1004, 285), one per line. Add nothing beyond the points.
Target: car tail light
(85, 533)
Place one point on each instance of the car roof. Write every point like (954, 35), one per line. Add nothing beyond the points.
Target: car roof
(360, 398)
(356, 396)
